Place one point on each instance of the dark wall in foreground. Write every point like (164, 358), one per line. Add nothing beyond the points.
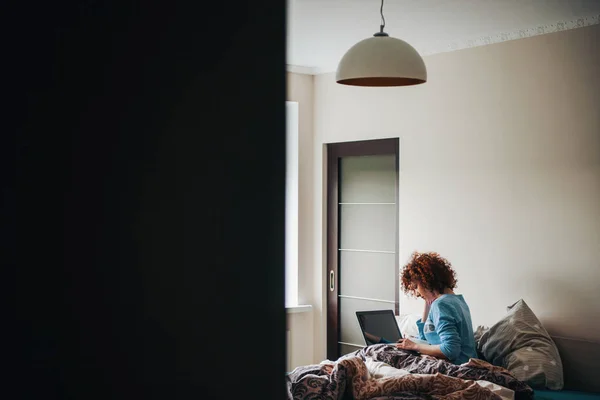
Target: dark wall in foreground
(143, 199)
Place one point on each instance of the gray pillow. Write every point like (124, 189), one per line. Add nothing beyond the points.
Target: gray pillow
(479, 332)
(519, 343)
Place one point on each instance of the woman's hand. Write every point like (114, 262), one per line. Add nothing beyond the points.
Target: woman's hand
(407, 344)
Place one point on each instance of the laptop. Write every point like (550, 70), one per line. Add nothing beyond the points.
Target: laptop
(378, 324)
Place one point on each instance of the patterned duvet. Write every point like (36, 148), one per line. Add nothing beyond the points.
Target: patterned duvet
(430, 378)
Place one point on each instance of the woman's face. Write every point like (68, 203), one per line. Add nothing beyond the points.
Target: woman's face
(424, 292)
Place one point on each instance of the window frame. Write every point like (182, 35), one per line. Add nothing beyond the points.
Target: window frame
(291, 204)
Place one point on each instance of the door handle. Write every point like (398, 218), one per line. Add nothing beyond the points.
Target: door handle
(331, 281)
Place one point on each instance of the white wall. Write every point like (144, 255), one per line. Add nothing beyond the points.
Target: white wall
(499, 172)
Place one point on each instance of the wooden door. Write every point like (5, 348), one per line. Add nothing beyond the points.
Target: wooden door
(362, 237)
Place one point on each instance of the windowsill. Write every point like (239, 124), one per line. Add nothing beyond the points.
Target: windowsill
(298, 309)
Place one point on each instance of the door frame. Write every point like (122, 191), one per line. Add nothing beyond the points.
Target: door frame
(335, 151)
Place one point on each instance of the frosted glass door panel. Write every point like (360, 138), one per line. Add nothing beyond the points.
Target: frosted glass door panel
(368, 227)
(368, 275)
(350, 329)
(368, 179)
(367, 242)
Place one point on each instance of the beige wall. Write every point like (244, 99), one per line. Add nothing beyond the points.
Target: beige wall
(499, 172)
(300, 89)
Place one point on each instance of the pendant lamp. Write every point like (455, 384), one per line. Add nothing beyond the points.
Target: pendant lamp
(381, 61)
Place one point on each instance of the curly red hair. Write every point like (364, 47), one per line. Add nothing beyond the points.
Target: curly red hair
(431, 270)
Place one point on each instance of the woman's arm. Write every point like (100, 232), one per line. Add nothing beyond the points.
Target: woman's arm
(450, 346)
(428, 349)
(446, 328)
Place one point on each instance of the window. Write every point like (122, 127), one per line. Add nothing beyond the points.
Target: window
(291, 205)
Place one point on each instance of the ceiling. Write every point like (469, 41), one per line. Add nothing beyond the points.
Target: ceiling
(320, 31)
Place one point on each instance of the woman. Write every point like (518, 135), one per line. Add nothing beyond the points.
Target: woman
(446, 323)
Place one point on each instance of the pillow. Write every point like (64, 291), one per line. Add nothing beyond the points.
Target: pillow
(479, 332)
(519, 343)
(408, 325)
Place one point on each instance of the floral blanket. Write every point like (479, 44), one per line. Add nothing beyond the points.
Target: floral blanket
(430, 378)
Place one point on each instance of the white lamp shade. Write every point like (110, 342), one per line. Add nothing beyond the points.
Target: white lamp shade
(381, 61)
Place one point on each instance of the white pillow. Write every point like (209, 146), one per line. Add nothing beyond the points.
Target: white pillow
(408, 325)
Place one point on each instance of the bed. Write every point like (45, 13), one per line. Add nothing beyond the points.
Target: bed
(420, 377)
(581, 368)
(383, 372)
(565, 395)
(353, 377)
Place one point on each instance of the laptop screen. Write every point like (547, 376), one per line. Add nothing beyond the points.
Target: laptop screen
(378, 324)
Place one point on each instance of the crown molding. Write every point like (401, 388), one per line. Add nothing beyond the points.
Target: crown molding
(514, 35)
(499, 38)
(299, 69)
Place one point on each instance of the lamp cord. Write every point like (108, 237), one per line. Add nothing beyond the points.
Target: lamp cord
(382, 18)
